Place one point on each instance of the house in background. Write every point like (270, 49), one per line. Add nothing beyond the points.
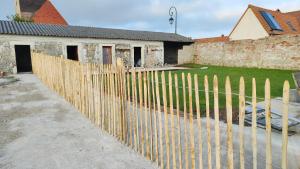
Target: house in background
(257, 22)
(39, 11)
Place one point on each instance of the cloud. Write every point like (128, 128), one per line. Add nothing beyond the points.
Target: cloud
(196, 18)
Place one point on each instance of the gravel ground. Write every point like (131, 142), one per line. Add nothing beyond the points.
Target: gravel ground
(38, 129)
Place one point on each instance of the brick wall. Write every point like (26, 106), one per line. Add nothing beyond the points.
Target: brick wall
(278, 52)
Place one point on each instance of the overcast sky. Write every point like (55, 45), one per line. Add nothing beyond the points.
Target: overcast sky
(196, 18)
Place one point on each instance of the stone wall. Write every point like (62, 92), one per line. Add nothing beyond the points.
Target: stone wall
(186, 54)
(7, 63)
(51, 48)
(89, 50)
(154, 56)
(277, 52)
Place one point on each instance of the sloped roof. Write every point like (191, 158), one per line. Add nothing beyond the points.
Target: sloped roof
(33, 29)
(282, 18)
(31, 5)
(213, 39)
(48, 14)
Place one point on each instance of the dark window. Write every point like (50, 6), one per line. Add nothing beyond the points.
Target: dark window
(137, 56)
(291, 25)
(271, 21)
(72, 52)
(23, 58)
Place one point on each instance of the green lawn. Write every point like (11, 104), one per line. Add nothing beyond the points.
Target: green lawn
(277, 78)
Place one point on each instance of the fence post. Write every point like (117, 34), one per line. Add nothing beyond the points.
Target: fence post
(160, 121)
(229, 124)
(242, 121)
(191, 118)
(217, 125)
(154, 115)
(254, 125)
(185, 122)
(268, 125)
(166, 118)
(142, 135)
(146, 115)
(197, 101)
(286, 94)
(206, 88)
(172, 120)
(178, 122)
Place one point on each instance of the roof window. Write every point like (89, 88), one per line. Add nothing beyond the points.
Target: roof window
(274, 25)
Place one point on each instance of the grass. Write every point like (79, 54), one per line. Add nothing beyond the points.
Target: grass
(277, 78)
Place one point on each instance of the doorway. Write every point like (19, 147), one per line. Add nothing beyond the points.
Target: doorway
(107, 54)
(23, 58)
(72, 53)
(137, 56)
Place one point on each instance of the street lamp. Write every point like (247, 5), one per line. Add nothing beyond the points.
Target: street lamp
(172, 12)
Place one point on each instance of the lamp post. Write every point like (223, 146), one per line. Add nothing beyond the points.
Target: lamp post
(172, 12)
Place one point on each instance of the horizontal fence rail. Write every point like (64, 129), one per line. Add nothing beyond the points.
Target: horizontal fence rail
(159, 114)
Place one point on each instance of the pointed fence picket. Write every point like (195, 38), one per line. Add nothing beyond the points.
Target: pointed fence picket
(142, 109)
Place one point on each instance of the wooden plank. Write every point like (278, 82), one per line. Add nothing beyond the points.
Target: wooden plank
(102, 98)
(105, 96)
(206, 88)
(154, 117)
(268, 125)
(142, 134)
(161, 153)
(242, 122)
(286, 94)
(136, 132)
(146, 116)
(124, 105)
(150, 115)
(129, 111)
(114, 96)
(191, 118)
(185, 122)
(166, 118)
(217, 123)
(178, 121)
(229, 124)
(254, 125)
(197, 102)
(172, 120)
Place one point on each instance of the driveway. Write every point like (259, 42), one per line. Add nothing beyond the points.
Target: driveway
(40, 130)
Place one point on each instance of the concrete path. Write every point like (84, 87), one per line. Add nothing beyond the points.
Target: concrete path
(39, 130)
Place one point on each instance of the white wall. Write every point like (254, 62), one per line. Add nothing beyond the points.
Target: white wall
(249, 27)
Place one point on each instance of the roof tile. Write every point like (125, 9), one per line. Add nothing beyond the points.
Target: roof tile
(281, 18)
(24, 28)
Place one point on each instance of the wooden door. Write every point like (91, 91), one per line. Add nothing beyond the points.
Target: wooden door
(107, 54)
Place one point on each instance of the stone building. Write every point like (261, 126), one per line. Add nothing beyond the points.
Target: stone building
(86, 44)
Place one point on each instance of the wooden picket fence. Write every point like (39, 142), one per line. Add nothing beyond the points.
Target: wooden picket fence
(141, 109)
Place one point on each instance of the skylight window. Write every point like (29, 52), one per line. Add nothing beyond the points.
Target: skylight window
(271, 21)
(291, 25)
